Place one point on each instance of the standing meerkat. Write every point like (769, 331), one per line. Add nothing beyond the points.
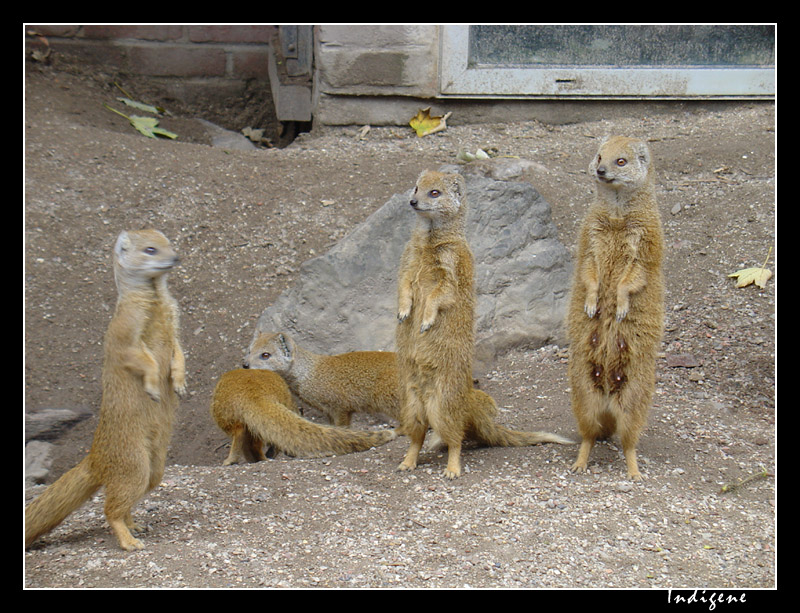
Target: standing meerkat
(143, 374)
(337, 385)
(255, 407)
(436, 331)
(616, 311)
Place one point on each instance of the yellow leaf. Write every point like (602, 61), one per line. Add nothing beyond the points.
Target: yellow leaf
(424, 124)
(746, 276)
(759, 276)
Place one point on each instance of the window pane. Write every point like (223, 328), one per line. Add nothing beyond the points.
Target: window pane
(622, 45)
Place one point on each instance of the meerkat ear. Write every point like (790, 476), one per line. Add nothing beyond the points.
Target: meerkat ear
(123, 243)
(458, 186)
(642, 152)
(284, 345)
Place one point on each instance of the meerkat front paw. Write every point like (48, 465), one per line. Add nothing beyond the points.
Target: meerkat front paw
(178, 374)
(590, 307)
(623, 306)
(179, 387)
(428, 319)
(151, 388)
(404, 307)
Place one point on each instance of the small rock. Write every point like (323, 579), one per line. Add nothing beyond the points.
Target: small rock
(682, 360)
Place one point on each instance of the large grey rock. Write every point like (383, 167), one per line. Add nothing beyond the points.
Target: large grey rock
(38, 459)
(345, 300)
(50, 424)
(41, 426)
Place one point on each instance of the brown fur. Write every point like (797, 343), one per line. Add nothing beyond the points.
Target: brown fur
(435, 334)
(337, 385)
(255, 408)
(143, 373)
(616, 309)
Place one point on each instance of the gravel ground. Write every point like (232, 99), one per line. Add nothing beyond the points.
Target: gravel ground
(243, 222)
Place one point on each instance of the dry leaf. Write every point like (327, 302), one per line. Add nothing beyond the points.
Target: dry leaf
(746, 276)
(254, 134)
(466, 156)
(424, 124)
(759, 276)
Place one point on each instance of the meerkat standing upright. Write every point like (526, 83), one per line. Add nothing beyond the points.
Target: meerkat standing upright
(436, 331)
(616, 310)
(143, 373)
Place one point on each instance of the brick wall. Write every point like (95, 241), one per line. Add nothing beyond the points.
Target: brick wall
(387, 60)
(376, 74)
(363, 73)
(177, 51)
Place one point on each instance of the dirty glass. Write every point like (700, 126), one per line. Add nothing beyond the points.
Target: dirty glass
(621, 45)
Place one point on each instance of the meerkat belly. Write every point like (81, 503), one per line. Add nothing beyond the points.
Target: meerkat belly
(606, 342)
(448, 335)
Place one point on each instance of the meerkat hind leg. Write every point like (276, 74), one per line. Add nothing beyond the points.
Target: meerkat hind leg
(629, 440)
(453, 470)
(583, 454)
(415, 428)
(632, 464)
(126, 540)
(417, 439)
(121, 522)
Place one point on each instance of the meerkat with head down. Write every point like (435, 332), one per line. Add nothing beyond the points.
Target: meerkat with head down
(616, 311)
(338, 385)
(256, 409)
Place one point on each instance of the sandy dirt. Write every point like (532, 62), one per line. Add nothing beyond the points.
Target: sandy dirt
(243, 222)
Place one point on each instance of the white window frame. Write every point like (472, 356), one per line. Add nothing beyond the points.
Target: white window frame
(457, 79)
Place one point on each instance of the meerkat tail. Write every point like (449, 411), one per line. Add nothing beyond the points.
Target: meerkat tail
(500, 436)
(300, 437)
(490, 433)
(63, 497)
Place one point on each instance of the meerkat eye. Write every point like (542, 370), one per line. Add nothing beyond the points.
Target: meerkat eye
(150, 250)
(434, 193)
(266, 355)
(621, 162)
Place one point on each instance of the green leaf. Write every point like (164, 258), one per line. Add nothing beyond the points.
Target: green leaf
(165, 133)
(149, 127)
(141, 106)
(146, 125)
